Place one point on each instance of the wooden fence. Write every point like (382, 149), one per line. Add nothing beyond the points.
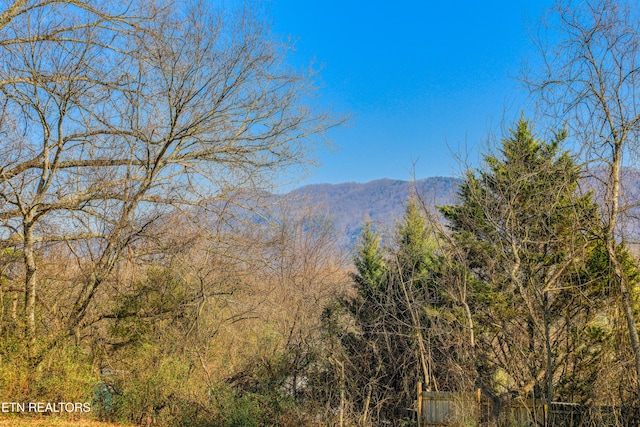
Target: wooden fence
(443, 408)
(439, 408)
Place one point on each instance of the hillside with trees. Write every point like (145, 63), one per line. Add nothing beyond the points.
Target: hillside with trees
(150, 274)
(381, 201)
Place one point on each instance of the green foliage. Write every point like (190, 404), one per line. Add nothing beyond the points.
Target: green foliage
(370, 265)
(65, 375)
(160, 296)
(530, 241)
(237, 410)
(416, 245)
(247, 409)
(152, 385)
(382, 331)
(162, 387)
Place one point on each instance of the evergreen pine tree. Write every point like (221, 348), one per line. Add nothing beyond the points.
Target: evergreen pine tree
(529, 236)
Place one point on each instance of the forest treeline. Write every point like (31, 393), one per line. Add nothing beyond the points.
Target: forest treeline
(145, 268)
(516, 297)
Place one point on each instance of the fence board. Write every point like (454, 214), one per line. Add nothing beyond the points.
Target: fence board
(442, 408)
(439, 408)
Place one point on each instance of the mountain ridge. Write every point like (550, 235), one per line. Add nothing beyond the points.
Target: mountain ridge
(382, 200)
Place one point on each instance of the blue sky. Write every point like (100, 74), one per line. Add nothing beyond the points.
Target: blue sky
(421, 80)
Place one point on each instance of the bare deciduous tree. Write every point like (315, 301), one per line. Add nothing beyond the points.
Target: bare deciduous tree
(590, 77)
(112, 115)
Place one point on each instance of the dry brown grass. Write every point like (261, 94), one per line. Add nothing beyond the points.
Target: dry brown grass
(52, 422)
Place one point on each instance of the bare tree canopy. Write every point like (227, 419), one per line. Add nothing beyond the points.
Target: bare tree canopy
(112, 113)
(590, 79)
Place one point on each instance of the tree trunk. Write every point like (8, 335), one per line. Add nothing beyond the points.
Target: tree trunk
(30, 287)
(618, 269)
(549, 350)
